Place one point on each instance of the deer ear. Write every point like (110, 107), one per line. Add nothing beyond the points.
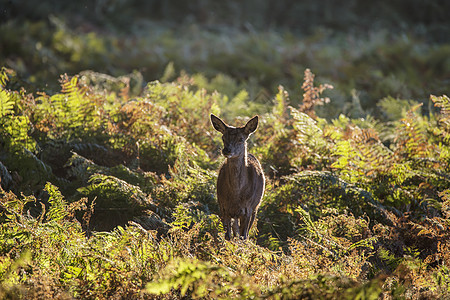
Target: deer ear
(218, 124)
(251, 125)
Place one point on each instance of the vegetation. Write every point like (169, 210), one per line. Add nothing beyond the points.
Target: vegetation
(107, 182)
(353, 207)
(387, 48)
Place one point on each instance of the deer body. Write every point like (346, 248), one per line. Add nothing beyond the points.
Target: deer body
(240, 184)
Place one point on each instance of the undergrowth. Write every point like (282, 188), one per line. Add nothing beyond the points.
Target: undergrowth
(235, 58)
(110, 194)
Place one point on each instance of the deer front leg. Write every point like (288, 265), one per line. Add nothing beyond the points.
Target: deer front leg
(252, 219)
(236, 227)
(244, 222)
(226, 221)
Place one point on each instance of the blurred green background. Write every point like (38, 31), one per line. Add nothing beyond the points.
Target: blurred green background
(366, 50)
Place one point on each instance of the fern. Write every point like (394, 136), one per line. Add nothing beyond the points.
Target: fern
(411, 140)
(394, 109)
(389, 258)
(199, 279)
(16, 134)
(359, 153)
(91, 148)
(309, 225)
(311, 95)
(281, 99)
(445, 207)
(359, 187)
(309, 140)
(346, 160)
(308, 133)
(113, 192)
(375, 157)
(8, 99)
(443, 102)
(6, 103)
(4, 78)
(343, 194)
(71, 113)
(58, 206)
(80, 167)
(364, 243)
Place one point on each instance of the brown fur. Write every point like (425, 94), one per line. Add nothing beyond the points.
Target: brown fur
(240, 184)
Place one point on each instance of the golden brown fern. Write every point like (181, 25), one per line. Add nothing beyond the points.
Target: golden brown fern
(311, 95)
(411, 140)
(374, 155)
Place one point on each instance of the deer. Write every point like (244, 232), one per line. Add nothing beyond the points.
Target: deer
(240, 182)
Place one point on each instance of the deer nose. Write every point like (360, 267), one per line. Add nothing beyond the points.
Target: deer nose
(226, 151)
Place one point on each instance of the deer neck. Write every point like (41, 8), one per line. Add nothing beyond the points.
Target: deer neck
(237, 169)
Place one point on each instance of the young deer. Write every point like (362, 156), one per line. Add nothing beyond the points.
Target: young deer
(240, 185)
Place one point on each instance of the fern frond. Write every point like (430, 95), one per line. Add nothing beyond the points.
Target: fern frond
(91, 148)
(344, 193)
(281, 100)
(411, 140)
(366, 136)
(58, 206)
(80, 167)
(113, 192)
(311, 95)
(4, 78)
(445, 207)
(309, 225)
(306, 127)
(16, 133)
(309, 138)
(6, 103)
(71, 89)
(367, 243)
(443, 102)
(375, 157)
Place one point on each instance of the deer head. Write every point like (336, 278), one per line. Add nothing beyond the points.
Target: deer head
(234, 138)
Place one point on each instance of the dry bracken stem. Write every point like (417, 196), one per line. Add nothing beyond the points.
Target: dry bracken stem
(311, 96)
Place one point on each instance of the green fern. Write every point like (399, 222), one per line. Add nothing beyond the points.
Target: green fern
(309, 225)
(308, 132)
(394, 109)
(80, 167)
(443, 102)
(113, 192)
(388, 258)
(445, 206)
(364, 243)
(198, 279)
(16, 134)
(6, 103)
(4, 78)
(7, 98)
(311, 146)
(71, 113)
(341, 194)
(58, 206)
(280, 103)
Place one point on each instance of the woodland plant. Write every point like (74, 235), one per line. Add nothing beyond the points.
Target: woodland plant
(110, 193)
(372, 61)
